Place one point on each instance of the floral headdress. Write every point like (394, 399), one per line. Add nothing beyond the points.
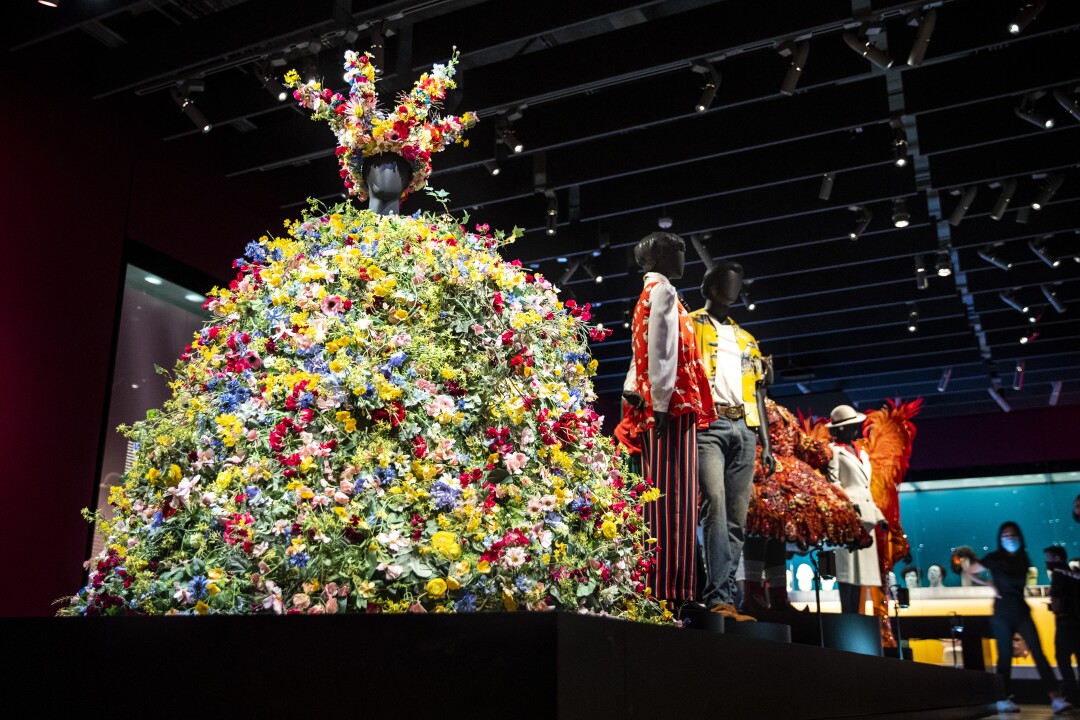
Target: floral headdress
(412, 130)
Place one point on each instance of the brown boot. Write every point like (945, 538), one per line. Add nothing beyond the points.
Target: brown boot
(753, 599)
(728, 610)
(778, 600)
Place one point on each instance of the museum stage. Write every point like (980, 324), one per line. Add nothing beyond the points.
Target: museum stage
(546, 665)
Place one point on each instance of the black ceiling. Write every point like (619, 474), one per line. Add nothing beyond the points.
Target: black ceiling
(606, 91)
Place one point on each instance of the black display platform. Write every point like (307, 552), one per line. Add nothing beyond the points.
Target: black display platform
(507, 666)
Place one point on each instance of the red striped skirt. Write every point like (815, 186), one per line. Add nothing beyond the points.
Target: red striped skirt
(669, 461)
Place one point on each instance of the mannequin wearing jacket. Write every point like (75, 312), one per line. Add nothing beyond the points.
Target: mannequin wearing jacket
(856, 570)
(669, 378)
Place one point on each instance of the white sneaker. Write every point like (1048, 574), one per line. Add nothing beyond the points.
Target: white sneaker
(1060, 706)
(1007, 706)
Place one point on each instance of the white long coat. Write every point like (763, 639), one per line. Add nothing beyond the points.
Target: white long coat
(852, 473)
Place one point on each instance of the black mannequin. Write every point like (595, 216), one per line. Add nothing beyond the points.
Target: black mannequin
(671, 265)
(846, 434)
(386, 176)
(720, 295)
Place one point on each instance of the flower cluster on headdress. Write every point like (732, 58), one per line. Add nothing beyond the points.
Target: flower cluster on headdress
(412, 129)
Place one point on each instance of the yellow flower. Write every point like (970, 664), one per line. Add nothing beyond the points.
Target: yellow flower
(174, 474)
(153, 475)
(453, 584)
(462, 568)
(436, 587)
(213, 589)
(292, 77)
(202, 608)
(483, 567)
(446, 543)
(215, 574)
(609, 529)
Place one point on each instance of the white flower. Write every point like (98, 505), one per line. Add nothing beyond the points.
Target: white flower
(548, 502)
(514, 557)
(394, 541)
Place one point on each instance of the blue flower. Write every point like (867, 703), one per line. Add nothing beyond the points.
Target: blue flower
(300, 559)
(255, 252)
(467, 603)
(252, 492)
(553, 519)
(384, 475)
(397, 358)
(524, 584)
(197, 586)
(444, 496)
(157, 520)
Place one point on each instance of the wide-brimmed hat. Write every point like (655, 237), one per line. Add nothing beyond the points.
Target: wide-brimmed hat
(845, 415)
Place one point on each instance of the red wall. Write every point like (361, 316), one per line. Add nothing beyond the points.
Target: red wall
(78, 176)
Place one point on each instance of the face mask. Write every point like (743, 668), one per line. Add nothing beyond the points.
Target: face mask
(1010, 544)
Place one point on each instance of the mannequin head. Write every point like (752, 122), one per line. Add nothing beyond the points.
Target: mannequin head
(387, 177)
(663, 253)
(911, 576)
(804, 576)
(935, 575)
(721, 286)
(845, 423)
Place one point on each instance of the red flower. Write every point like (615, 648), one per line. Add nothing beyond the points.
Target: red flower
(497, 303)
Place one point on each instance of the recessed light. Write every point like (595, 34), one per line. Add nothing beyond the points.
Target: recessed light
(193, 297)
(153, 280)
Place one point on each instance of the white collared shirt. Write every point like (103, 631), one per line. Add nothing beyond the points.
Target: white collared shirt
(727, 369)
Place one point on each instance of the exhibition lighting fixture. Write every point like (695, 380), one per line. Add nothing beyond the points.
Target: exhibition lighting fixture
(194, 297)
(1071, 106)
(571, 268)
(492, 166)
(750, 304)
(901, 218)
(1018, 376)
(987, 254)
(922, 281)
(708, 94)
(943, 383)
(825, 191)
(152, 280)
(943, 266)
(1023, 215)
(1028, 12)
(48, 3)
(861, 221)
(181, 96)
(626, 319)
(1047, 191)
(999, 398)
(664, 222)
(967, 196)
(270, 83)
(900, 148)
(1038, 246)
(868, 50)
(922, 37)
(552, 212)
(590, 267)
(798, 53)
(506, 134)
(1008, 189)
(1051, 297)
(913, 320)
(1009, 298)
(1025, 339)
(1055, 392)
(1039, 119)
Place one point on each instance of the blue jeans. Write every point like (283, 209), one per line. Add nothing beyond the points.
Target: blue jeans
(726, 453)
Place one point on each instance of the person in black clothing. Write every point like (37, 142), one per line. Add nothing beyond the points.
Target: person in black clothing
(1008, 568)
(1065, 603)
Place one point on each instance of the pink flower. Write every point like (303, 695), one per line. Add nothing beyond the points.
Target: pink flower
(515, 461)
(333, 305)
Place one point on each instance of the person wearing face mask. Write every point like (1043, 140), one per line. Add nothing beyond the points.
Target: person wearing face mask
(1065, 604)
(1008, 569)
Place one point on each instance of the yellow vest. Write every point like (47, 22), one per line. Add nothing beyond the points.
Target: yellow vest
(753, 369)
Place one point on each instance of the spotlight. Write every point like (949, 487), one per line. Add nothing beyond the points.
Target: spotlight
(1008, 189)
(552, 225)
(1009, 298)
(1051, 297)
(1047, 191)
(1071, 106)
(987, 254)
(1025, 339)
(1038, 246)
(943, 383)
(1039, 119)
(921, 280)
(750, 304)
(1055, 392)
(1023, 215)
(506, 134)
(492, 166)
(552, 203)
(49, 3)
(827, 180)
(181, 96)
(1027, 13)
(270, 83)
(967, 196)
(798, 61)
(922, 38)
(913, 320)
(1018, 376)
(943, 266)
(861, 221)
(999, 398)
(901, 218)
(900, 148)
(664, 222)
(590, 267)
(868, 50)
(712, 82)
(626, 319)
